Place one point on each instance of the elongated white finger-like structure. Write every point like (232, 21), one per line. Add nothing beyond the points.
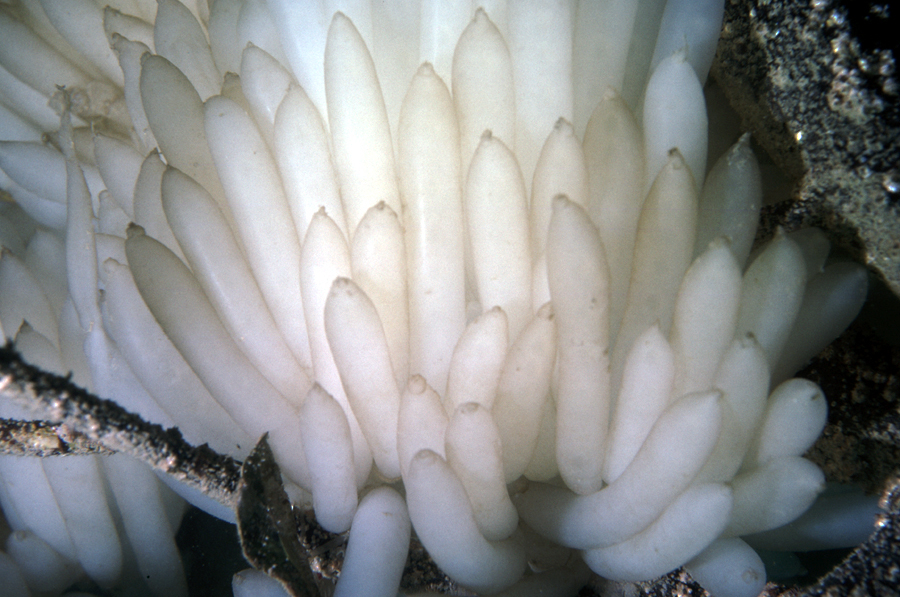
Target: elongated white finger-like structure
(81, 262)
(304, 160)
(540, 43)
(440, 26)
(685, 529)
(263, 219)
(80, 22)
(794, 418)
(706, 313)
(130, 53)
(672, 454)
(501, 255)
(731, 199)
(45, 212)
(32, 60)
(395, 50)
(772, 294)
(255, 26)
(23, 299)
(16, 127)
(161, 368)
(378, 259)
(663, 248)
(326, 439)
(831, 302)
(222, 30)
(579, 287)
(127, 26)
(483, 89)
(561, 170)
(773, 494)
(138, 500)
(27, 102)
(692, 25)
(112, 377)
(38, 350)
(177, 302)
(119, 164)
(422, 422)
(325, 258)
(361, 354)
(543, 465)
(360, 134)
(729, 567)
(42, 567)
(743, 378)
(46, 259)
(614, 157)
(377, 548)
(148, 209)
(477, 361)
(601, 39)
(175, 113)
(474, 453)
(303, 51)
(36, 167)
(226, 279)
(265, 82)
(71, 344)
(28, 491)
(842, 516)
(78, 486)
(442, 517)
(675, 116)
(522, 391)
(645, 393)
(430, 179)
(179, 38)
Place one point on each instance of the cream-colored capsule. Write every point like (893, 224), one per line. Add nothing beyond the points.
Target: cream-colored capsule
(705, 316)
(614, 156)
(662, 253)
(361, 354)
(645, 393)
(261, 214)
(561, 170)
(579, 287)
(672, 454)
(430, 180)
(501, 254)
(324, 258)
(378, 259)
(329, 449)
(522, 391)
(226, 278)
(422, 422)
(474, 453)
(304, 161)
(442, 517)
(483, 89)
(175, 113)
(360, 134)
(178, 303)
(477, 360)
(683, 530)
(179, 38)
